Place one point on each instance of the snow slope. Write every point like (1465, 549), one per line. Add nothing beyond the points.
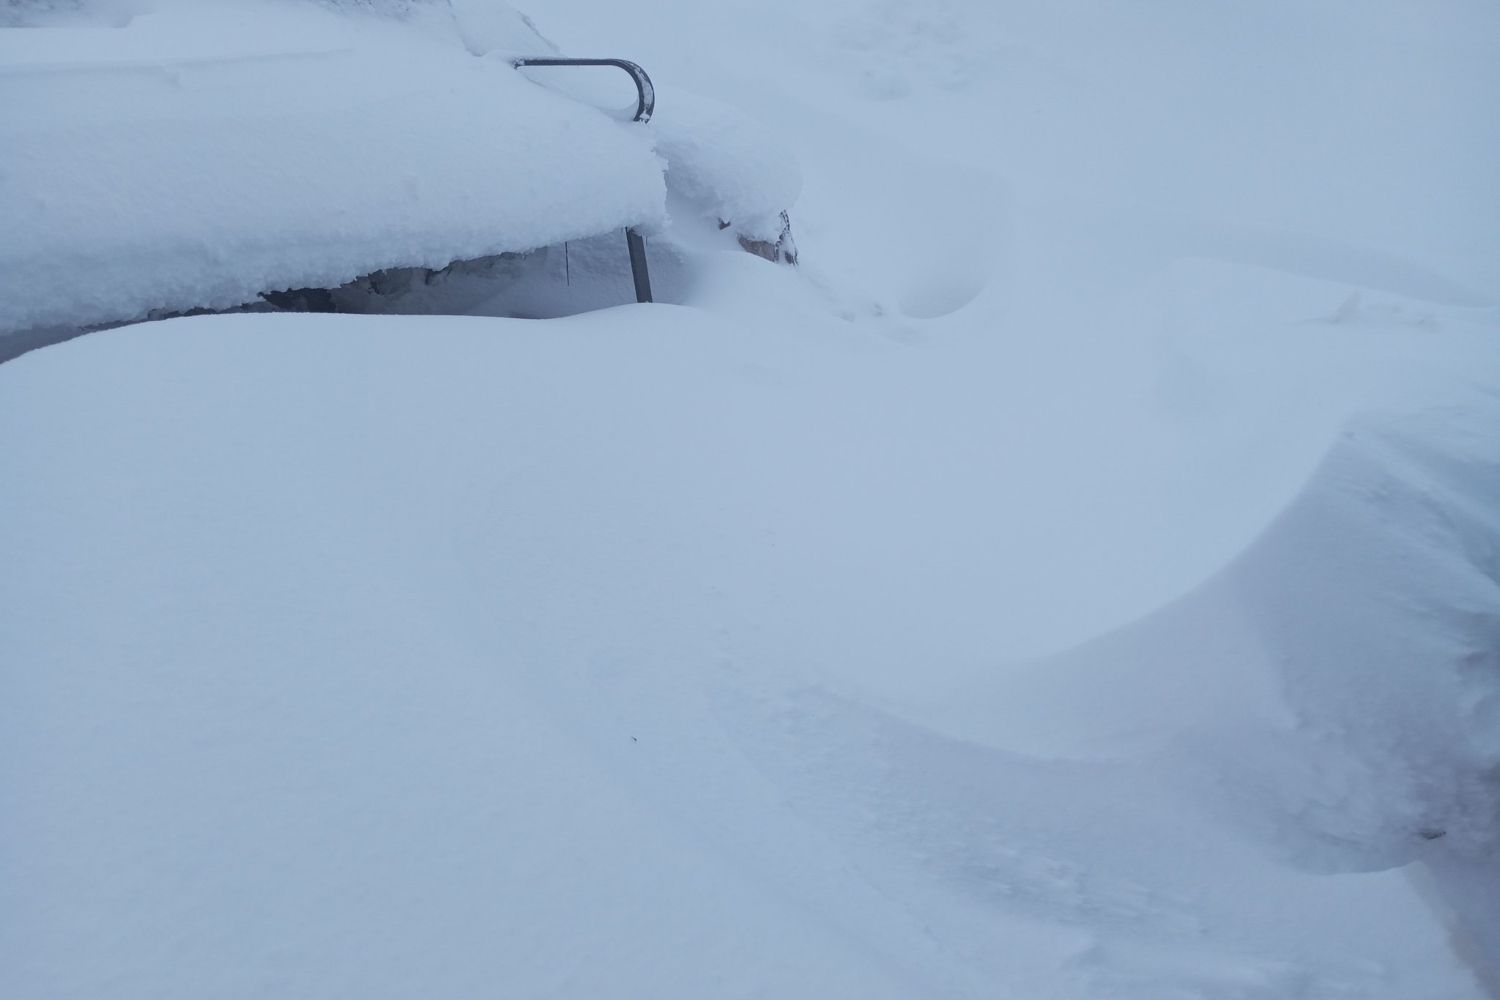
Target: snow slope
(1078, 580)
(426, 678)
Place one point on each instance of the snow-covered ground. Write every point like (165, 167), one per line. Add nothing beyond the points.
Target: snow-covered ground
(205, 152)
(1079, 579)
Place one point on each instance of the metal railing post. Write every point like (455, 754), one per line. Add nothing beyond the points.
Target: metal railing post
(645, 104)
(645, 93)
(636, 244)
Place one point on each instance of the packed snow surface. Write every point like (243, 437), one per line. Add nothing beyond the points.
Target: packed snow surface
(1080, 580)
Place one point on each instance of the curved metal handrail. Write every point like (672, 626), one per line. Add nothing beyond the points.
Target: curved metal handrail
(645, 94)
(645, 104)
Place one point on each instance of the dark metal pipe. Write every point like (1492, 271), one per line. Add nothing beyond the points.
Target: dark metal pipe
(645, 104)
(645, 93)
(636, 243)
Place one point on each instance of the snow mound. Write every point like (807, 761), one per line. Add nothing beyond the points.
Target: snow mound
(489, 26)
(360, 655)
(1342, 671)
(734, 650)
(1334, 693)
(207, 152)
(724, 164)
(1377, 597)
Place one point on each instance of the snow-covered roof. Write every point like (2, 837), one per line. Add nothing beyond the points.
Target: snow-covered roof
(205, 152)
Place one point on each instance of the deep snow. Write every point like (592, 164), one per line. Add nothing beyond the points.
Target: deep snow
(1078, 580)
(198, 153)
(210, 151)
(428, 679)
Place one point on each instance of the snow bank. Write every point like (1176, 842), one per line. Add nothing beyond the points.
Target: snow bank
(1334, 692)
(207, 152)
(1377, 600)
(635, 654)
(289, 673)
(724, 164)
(372, 655)
(1342, 671)
(490, 26)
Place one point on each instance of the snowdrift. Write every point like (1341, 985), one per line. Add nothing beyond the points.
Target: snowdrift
(356, 655)
(1338, 683)
(1076, 581)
